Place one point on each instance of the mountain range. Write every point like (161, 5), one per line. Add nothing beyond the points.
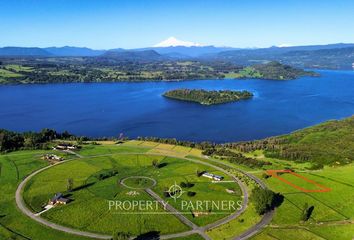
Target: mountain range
(333, 56)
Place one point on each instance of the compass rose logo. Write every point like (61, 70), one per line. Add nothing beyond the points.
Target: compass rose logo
(175, 191)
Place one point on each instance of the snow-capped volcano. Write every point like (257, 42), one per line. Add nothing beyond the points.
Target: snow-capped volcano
(174, 42)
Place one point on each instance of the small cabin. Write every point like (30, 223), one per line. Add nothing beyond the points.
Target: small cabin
(52, 157)
(58, 199)
(65, 146)
(62, 201)
(213, 176)
(231, 191)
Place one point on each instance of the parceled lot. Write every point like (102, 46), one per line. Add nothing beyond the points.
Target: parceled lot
(89, 209)
(333, 212)
(332, 216)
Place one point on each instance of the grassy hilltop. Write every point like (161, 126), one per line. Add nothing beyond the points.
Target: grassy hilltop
(329, 143)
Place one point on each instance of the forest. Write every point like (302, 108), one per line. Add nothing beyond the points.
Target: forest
(207, 97)
(328, 143)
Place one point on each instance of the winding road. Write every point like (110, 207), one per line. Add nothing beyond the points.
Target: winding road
(195, 229)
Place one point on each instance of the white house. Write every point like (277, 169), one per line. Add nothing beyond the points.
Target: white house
(213, 176)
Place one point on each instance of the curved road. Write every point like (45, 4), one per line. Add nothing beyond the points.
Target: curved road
(195, 229)
(22, 206)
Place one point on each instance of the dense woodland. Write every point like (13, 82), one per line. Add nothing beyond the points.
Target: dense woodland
(12, 141)
(333, 56)
(112, 69)
(331, 142)
(207, 97)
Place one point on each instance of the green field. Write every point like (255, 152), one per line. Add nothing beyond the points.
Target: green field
(333, 211)
(13, 224)
(332, 217)
(89, 209)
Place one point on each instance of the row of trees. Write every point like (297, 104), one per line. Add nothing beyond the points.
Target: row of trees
(11, 141)
(174, 141)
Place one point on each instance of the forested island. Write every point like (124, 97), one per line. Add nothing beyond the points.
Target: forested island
(207, 97)
(111, 68)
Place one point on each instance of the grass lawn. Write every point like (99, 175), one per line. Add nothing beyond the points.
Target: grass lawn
(92, 150)
(236, 226)
(9, 74)
(331, 209)
(288, 234)
(17, 68)
(191, 237)
(89, 208)
(13, 224)
(334, 232)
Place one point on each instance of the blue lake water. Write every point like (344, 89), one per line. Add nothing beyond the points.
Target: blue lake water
(138, 109)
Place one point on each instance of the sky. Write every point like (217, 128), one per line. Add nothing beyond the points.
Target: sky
(106, 24)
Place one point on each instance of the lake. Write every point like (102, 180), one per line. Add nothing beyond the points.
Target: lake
(138, 109)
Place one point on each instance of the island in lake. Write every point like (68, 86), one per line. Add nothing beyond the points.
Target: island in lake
(207, 97)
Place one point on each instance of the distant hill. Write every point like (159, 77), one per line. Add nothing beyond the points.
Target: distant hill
(280, 50)
(188, 52)
(277, 71)
(333, 56)
(146, 55)
(272, 70)
(73, 51)
(23, 51)
(339, 58)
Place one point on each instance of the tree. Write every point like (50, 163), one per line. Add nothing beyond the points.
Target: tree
(70, 184)
(191, 194)
(121, 236)
(265, 176)
(265, 200)
(306, 212)
(155, 163)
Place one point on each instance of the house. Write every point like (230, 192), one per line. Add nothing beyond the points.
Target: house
(213, 176)
(52, 157)
(63, 201)
(65, 146)
(58, 199)
(231, 191)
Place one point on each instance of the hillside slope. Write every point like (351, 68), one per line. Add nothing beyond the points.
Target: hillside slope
(328, 143)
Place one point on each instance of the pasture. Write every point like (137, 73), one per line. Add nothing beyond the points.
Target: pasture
(333, 211)
(89, 209)
(332, 217)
